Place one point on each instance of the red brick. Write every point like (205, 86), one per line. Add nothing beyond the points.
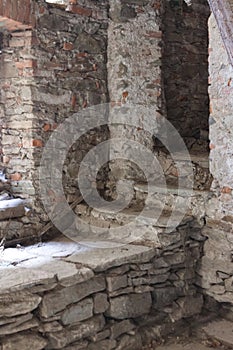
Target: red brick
(16, 177)
(226, 189)
(152, 34)
(26, 64)
(82, 11)
(37, 143)
(47, 127)
(68, 46)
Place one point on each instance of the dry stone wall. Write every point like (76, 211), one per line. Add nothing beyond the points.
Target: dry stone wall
(60, 295)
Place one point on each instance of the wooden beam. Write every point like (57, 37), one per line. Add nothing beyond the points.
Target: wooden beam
(223, 12)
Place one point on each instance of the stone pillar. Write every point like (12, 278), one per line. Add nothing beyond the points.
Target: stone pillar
(216, 270)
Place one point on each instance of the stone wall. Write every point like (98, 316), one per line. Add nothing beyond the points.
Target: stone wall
(216, 268)
(49, 71)
(60, 295)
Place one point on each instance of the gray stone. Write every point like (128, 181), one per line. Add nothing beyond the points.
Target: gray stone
(107, 344)
(56, 301)
(87, 43)
(18, 304)
(120, 328)
(68, 274)
(119, 270)
(101, 303)
(78, 312)
(143, 289)
(164, 296)
(49, 327)
(21, 324)
(121, 292)
(128, 342)
(191, 305)
(14, 279)
(189, 346)
(130, 306)
(150, 280)
(175, 258)
(115, 283)
(100, 336)
(103, 259)
(221, 330)
(24, 342)
(83, 330)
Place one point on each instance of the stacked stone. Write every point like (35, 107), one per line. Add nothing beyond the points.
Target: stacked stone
(94, 298)
(216, 266)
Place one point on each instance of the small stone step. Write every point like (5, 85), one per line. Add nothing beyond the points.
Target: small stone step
(221, 330)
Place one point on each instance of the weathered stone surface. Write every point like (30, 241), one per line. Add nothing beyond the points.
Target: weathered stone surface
(150, 280)
(83, 330)
(128, 342)
(102, 259)
(107, 344)
(18, 304)
(120, 328)
(221, 330)
(115, 283)
(190, 305)
(130, 306)
(164, 296)
(54, 302)
(14, 279)
(24, 342)
(101, 303)
(21, 324)
(68, 274)
(190, 346)
(78, 312)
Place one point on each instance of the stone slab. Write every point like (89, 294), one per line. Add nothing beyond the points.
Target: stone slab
(101, 259)
(221, 330)
(15, 278)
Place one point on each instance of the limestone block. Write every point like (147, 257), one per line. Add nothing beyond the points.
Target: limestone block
(130, 306)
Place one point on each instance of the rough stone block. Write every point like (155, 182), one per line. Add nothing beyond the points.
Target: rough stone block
(18, 304)
(120, 328)
(130, 306)
(107, 344)
(115, 283)
(102, 259)
(24, 342)
(127, 342)
(78, 312)
(164, 296)
(101, 303)
(82, 330)
(56, 301)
